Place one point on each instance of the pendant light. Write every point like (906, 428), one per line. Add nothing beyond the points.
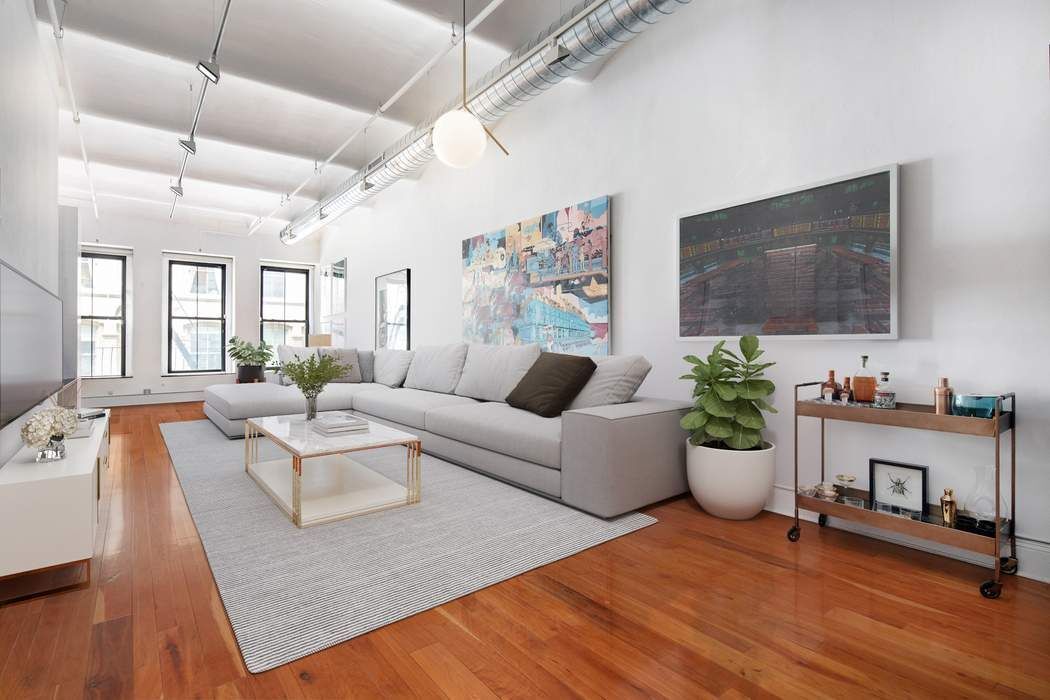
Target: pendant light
(458, 136)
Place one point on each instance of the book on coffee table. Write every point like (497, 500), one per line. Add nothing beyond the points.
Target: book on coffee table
(337, 423)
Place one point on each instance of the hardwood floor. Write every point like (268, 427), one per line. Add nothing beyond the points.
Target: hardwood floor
(690, 607)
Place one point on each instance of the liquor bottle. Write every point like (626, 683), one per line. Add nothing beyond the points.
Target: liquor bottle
(847, 392)
(885, 396)
(830, 390)
(942, 397)
(864, 383)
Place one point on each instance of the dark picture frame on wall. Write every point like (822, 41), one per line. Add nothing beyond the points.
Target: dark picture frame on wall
(393, 310)
(897, 486)
(814, 262)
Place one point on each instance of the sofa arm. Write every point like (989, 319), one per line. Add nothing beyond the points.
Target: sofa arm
(273, 376)
(621, 457)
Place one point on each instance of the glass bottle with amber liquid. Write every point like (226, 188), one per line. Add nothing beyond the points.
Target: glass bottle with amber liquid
(830, 390)
(864, 383)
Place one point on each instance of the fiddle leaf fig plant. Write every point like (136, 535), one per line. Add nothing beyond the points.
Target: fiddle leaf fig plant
(247, 354)
(729, 396)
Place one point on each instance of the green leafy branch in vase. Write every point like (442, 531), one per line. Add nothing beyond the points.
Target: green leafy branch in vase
(729, 396)
(312, 374)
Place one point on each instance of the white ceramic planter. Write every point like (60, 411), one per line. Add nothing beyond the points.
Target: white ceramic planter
(733, 484)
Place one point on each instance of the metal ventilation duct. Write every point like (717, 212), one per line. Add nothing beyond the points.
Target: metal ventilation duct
(587, 32)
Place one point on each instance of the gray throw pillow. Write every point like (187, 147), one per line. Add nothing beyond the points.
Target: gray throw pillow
(367, 359)
(437, 368)
(391, 366)
(492, 371)
(615, 381)
(344, 356)
(285, 353)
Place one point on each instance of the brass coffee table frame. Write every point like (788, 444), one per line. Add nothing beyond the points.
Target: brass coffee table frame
(254, 433)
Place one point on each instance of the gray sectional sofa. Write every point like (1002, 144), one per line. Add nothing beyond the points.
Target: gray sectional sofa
(609, 453)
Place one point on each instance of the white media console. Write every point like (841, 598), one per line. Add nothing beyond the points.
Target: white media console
(49, 510)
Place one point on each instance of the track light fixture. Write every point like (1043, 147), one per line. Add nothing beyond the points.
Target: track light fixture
(189, 145)
(555, 53)
(366, 185)
(176, 190)
(322, 214)
(209, 69)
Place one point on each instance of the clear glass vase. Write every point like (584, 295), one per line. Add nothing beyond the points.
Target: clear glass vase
(980, 498)
(54, 450)
(311, 407)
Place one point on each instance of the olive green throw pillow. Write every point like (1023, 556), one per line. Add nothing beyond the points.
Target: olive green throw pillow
(551, 383)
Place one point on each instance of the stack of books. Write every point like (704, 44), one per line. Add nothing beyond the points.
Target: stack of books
(339, 424)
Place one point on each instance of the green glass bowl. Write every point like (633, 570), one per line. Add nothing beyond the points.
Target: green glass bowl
(974, 405)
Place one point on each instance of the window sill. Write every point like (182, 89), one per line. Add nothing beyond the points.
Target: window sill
(107, 376)
(199, 374)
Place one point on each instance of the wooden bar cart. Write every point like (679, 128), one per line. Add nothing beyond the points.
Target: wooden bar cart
(931, 526)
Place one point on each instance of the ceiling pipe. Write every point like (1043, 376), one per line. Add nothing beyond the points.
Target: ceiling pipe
(176, 189)
(58, 33)
(419, 75)
(586, 33)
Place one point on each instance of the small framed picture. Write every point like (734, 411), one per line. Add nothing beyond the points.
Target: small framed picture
(897, 485)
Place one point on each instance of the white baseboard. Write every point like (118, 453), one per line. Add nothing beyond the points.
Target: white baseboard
(140, 399)
(1033, 556)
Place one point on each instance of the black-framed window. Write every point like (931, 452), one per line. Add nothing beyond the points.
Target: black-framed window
(196, 317)
(284, 305)
(102, 315)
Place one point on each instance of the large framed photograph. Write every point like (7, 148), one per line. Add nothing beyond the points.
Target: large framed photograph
(818, 261)
(897, 485)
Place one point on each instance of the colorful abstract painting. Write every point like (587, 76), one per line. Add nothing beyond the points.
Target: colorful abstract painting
(543, 280)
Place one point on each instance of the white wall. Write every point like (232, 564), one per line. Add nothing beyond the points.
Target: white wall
(729, 100)
(29, 238)
(148, 237)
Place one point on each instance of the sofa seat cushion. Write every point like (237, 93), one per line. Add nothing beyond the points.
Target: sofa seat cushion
(501, 428)
(240, 401)
(339, 396)
(405, 406)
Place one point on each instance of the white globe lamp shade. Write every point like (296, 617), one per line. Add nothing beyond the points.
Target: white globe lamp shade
(459, 139)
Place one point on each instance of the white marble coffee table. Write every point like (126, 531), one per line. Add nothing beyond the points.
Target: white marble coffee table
(319, 482)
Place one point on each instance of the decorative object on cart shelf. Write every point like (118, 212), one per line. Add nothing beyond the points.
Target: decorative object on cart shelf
(251, 359)
(809, 490)
(312, 375)
(729, 466)
(827, 491)
(949, 507)
(898, 484)
(830, 390)
(942, 397)
(853, 501)
(864, 383)
(978, 501)
(46, 431)
(885, 396)
(845, 482)
(846, 395)
(974, 405)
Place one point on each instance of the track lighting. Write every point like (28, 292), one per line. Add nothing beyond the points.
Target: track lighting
(176, 190)
(189, 145)
(322, 214)
(366, 185)
(555, 53)
(209, 69)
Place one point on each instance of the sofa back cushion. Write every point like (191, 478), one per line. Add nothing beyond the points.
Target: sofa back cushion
(391, 367)
(344, 356)
(366, 358)
(615, 381)
(492, 371)
(286, 353)
(437, 368)
(551, 383)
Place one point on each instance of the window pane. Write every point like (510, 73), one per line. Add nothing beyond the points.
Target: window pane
(284, 333)
(273, 294)
(183, 290)
(84, 285)
(107, 287)
(294, 296)
(339, 287)
(99, 348)
(208, 283)
(196, 345)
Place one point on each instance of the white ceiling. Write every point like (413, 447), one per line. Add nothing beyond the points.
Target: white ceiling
(297, 79)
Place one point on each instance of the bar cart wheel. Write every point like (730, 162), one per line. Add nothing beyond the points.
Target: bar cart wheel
(794, 533)
(822, 519)
(991, 589)
(1008, 565)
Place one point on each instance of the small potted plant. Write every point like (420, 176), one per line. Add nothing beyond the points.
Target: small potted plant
(729, 466)
(46, 431)
(251, 359)
(311, 375)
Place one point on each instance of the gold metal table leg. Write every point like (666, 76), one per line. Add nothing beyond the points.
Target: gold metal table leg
(297, 491)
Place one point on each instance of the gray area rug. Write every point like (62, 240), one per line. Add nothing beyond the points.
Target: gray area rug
(291, 592)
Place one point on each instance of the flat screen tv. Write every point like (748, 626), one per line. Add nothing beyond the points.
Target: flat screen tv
(30, 344)
(818, 261)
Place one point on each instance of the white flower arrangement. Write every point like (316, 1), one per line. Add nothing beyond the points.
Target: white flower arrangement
(37, 431)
